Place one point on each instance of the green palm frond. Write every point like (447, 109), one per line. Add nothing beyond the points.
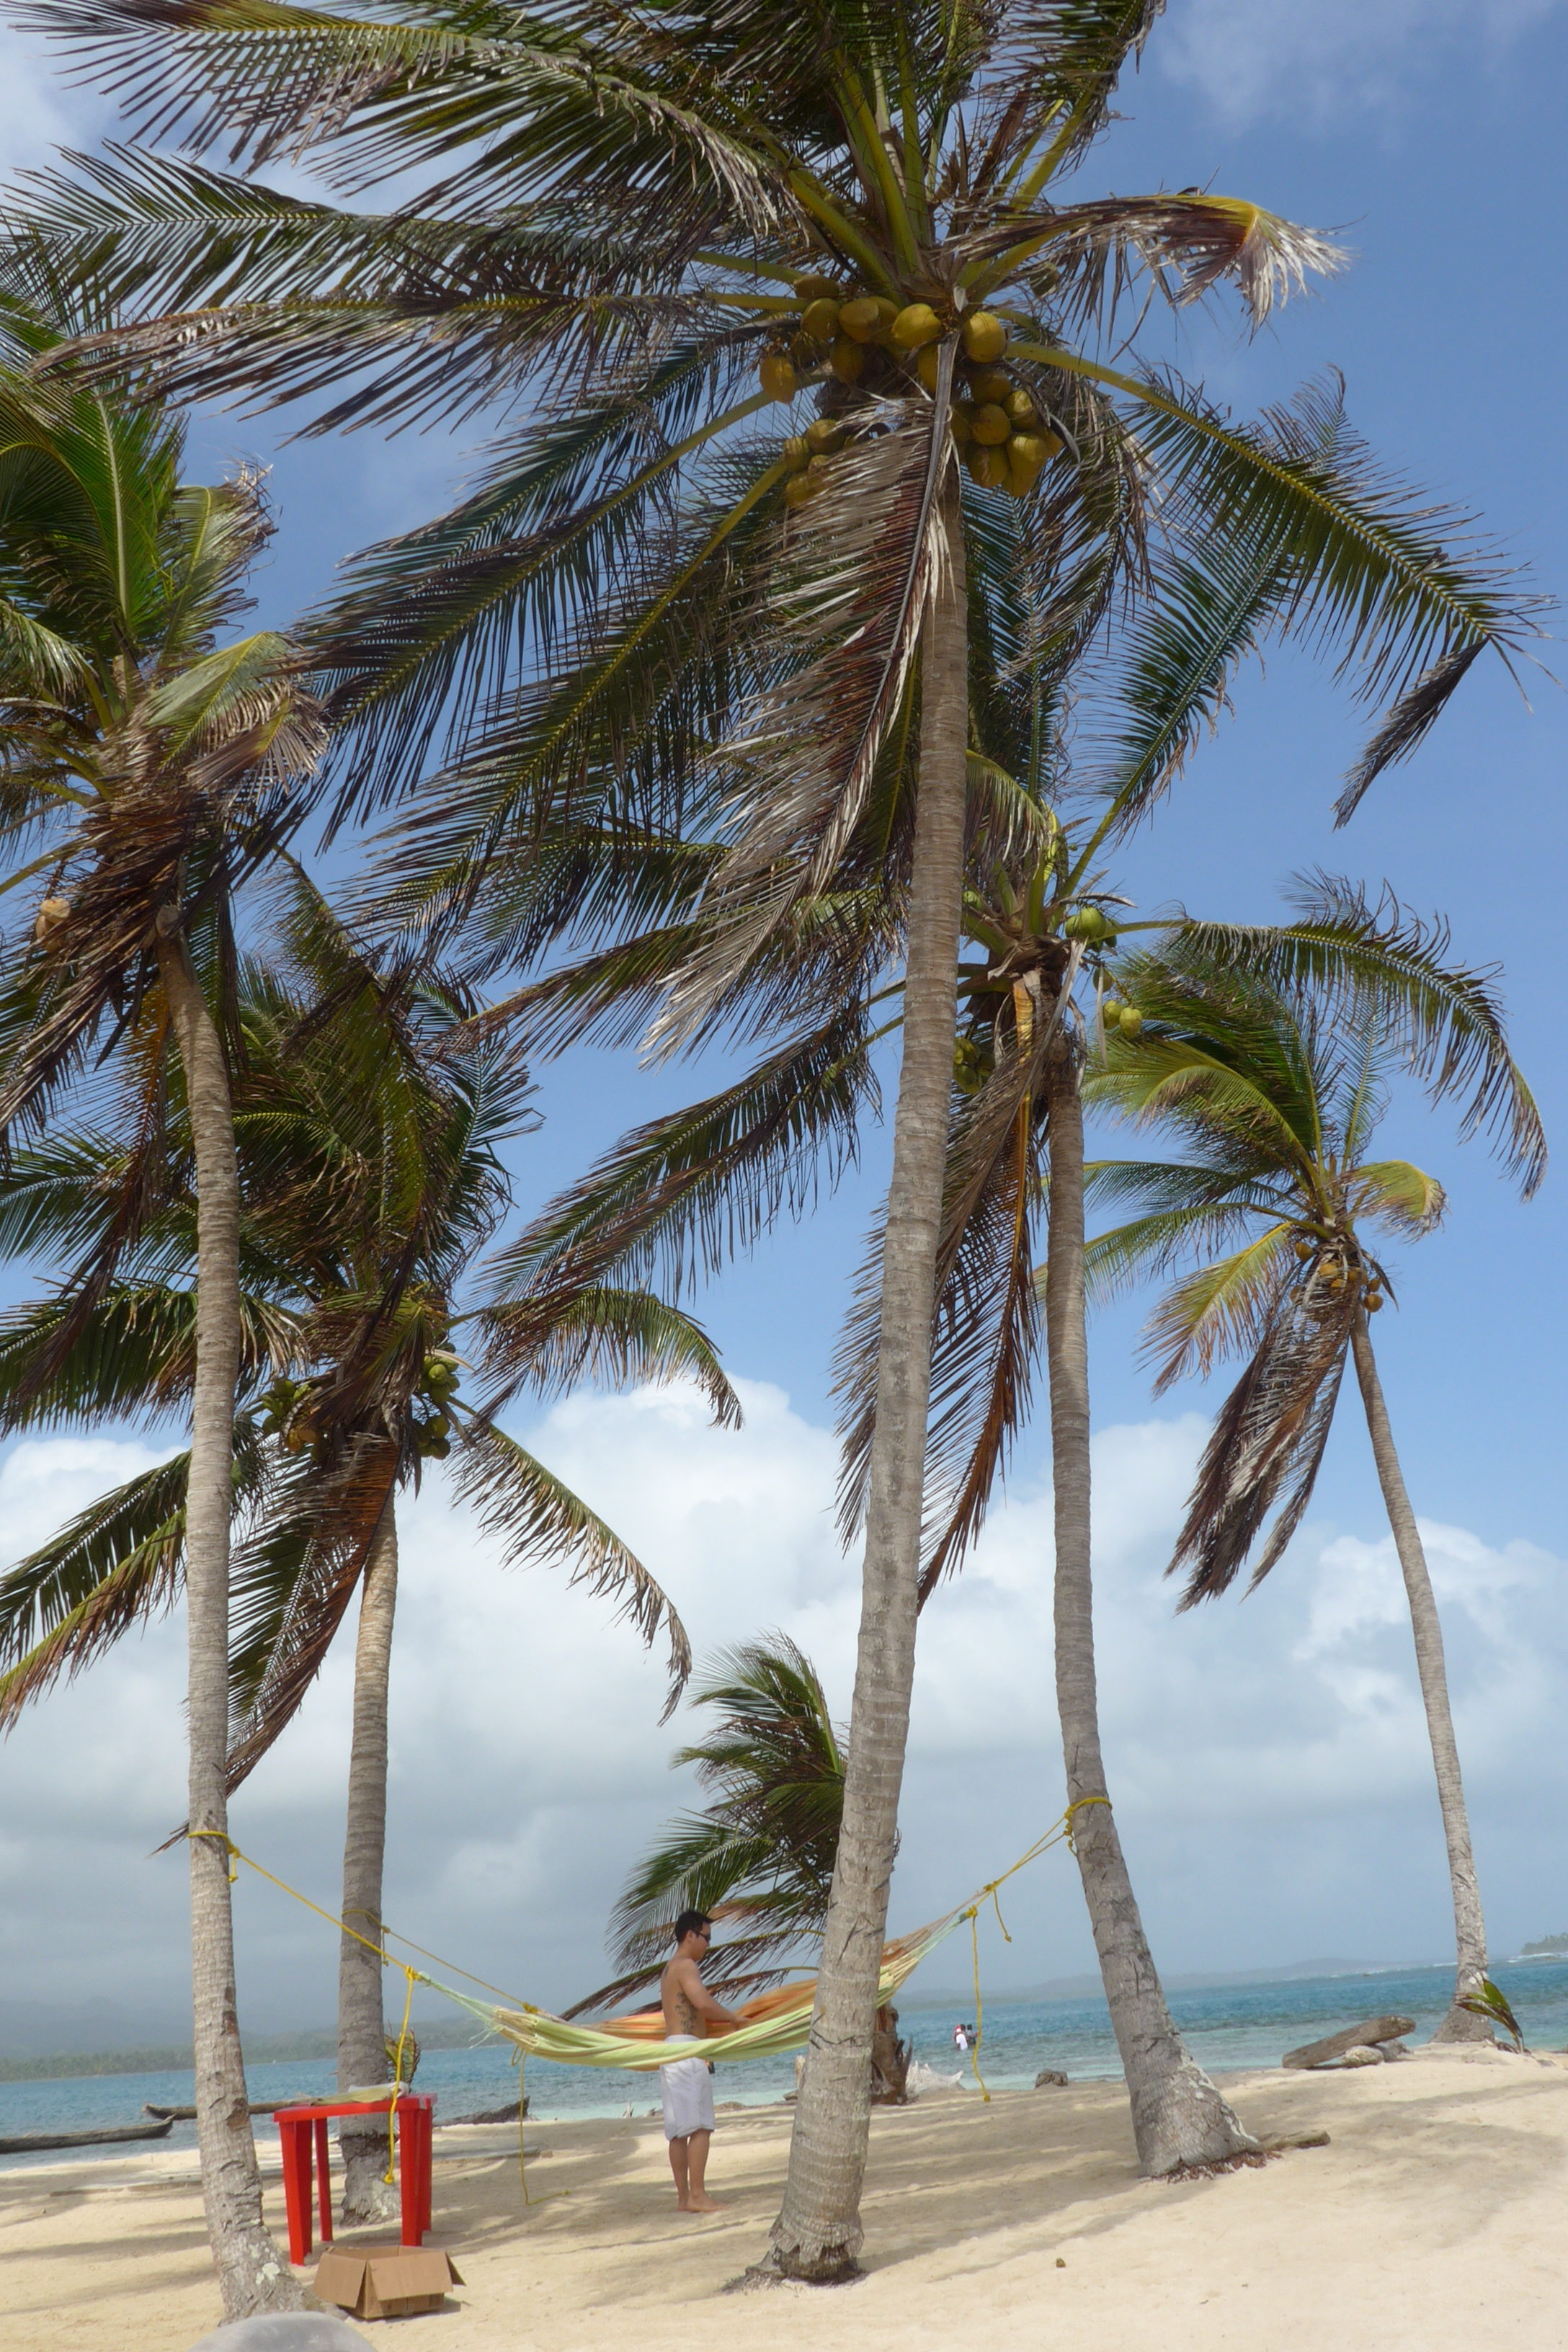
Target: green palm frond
(534, 1515)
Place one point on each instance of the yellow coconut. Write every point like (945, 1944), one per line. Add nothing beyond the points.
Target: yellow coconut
(798, 488)
(824, 433)
(916, 325)
(1022, 410)
(1028, 450)
(988, 467)
(52, 914)
(1130, 1021)
(848, 359)
(797, 449)
(985, 336)
(991, 424)
(867, 318)
(961, 415)
(819, 320)
(814, 288)
(776, 375)
(992, 384)
(927, 364)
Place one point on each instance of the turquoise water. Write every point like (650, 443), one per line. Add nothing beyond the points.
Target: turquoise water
(1226, 2027)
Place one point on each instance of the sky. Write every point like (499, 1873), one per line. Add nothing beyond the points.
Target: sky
(1266, 1757)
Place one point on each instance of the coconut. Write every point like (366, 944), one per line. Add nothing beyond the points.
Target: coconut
(1086, 923)
(927, 365)
(985, 336)
(992, 384)
(991, 424)
(988, 467)
(776, 375)
(1022, 410)
(1110, 1012)
(52, 914)
(1305, 1249)
(819, 320)
(960, 416)
(1027, 450)
(867, 318)
(823, 434)
(916, 324)
(814, 289)
(798, 488)
(797, 449)
(1130, 1021)
(848, 360)
(1372, 1301)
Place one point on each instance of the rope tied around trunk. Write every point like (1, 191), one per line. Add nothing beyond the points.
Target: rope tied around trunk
(1059, 1834)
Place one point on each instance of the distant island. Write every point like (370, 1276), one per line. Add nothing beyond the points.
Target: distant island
(1545, 1947)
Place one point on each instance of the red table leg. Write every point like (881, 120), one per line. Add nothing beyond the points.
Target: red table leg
(429, 2159)
(325, 2180)
(296, 2139)
(414, 2167)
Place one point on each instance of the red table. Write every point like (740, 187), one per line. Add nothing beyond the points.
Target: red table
(303, 2132)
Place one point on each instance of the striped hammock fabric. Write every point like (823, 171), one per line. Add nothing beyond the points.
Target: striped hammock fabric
(775, 2021)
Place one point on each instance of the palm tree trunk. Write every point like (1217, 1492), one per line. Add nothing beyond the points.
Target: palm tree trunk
(817, 2234)
(1469, 1928)
(362, 2028)
(1178, 2116)
(251, 2276)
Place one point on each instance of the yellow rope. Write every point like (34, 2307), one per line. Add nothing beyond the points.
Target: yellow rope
(1059, 1834)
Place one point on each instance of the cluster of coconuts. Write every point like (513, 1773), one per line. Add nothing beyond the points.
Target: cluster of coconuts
(869, 341)
(442, 1380)
(1094, 928)
(1337, 1273)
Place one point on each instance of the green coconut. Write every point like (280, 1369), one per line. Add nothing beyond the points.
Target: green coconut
(848, 360)
(962, 418)
(813, 287)
(1130, 1021)
(798, 488)
(991, 424)
(819, 320)
(824, 433)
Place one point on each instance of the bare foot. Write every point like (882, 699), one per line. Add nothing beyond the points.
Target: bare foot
(706, 2204)
(681, 2206)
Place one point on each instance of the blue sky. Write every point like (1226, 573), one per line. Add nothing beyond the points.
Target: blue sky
(1428, 139)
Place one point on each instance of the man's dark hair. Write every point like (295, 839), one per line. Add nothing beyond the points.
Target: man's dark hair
(690, 1922)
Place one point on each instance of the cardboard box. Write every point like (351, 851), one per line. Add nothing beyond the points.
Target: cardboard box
(385, 2281)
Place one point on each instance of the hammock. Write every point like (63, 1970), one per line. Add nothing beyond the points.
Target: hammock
(775, 2021)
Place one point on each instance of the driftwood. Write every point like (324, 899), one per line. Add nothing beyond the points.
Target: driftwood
(257, 2107)
(1050, 2079)
(25, 2142)
(1368, 2034)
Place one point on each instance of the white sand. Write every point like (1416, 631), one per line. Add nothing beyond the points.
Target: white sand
(1436, 2220)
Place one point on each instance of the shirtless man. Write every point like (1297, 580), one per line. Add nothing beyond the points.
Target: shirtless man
(687, 2085)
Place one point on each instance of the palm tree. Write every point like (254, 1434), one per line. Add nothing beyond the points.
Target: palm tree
(1275, 1077)
(370, 1180)
(760, 1856)
(147, 761)
(742, 648)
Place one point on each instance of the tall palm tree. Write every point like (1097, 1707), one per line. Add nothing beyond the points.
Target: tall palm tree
(766, 630)
(148, 758)
(369, 1178)
(1275, 1083)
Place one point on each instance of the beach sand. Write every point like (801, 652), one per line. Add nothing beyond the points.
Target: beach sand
(1434, 2220)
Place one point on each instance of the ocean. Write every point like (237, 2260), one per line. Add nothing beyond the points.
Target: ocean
(1228, 2028)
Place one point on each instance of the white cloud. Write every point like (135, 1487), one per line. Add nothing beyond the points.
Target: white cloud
(1254, 58)
(1268, 1759)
